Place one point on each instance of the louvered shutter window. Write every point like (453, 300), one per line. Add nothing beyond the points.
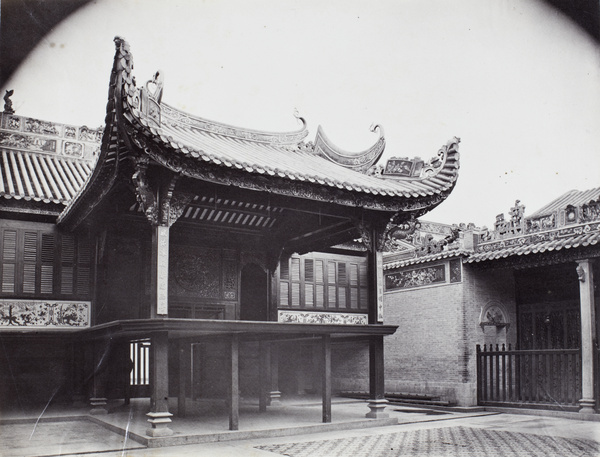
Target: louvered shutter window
(67, 267)
(30, 257)
(47, 263)
(9, 261)
(84, 260)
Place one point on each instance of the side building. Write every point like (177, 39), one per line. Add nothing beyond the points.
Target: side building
(499, 317)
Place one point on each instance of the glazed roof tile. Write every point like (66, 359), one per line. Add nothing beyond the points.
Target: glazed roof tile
(391, 264)
(44, 162)
(138, 122)
(292, 162)
(39, 177)
(573, 198)
(573, 241)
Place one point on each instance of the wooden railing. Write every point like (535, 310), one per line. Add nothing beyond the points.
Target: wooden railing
(549, 378)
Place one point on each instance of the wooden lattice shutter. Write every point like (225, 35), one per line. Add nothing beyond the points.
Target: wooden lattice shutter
(9, 261)
(30, 261)
(67, 267)
(48, 257)
(84, 261)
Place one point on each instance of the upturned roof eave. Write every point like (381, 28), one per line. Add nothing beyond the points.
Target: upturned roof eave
(123, 117)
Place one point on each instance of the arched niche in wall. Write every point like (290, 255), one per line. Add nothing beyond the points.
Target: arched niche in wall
(494, 322)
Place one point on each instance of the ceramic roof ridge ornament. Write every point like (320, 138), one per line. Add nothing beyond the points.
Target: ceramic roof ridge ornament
(358, 161)
(139, 124)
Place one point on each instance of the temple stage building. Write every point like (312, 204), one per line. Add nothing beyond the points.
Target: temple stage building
(176, 258)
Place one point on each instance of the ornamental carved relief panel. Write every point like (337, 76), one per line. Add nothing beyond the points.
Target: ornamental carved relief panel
(303, 317)
(195, 272)
(417, 277)
(39, 314)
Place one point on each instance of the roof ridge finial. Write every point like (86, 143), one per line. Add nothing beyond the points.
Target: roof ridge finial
(300, 118)
(8, 109)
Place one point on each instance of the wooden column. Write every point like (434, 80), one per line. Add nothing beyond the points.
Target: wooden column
(159, 415)
(264, 354)
(377, 401)
(79, 367)
(159, 279)
(326, 380)
(100, 351)
(184, 377)
(585, 273)
(234, 383)
(275, 394)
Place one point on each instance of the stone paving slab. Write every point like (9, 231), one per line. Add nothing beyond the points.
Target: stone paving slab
(47, 438)
(441, 442)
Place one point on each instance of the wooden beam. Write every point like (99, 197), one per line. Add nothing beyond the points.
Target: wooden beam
(326, 380)
(234, 387)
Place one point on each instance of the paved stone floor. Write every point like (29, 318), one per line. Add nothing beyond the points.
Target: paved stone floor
(60, 438)
(420, 432)
(441, 442)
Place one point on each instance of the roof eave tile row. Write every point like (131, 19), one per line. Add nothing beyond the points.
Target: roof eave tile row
(292, 162)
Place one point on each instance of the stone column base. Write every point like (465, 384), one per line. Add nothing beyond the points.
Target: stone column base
(377, 407)
(587, 405)
(274, 398)
(160, 424)
(98, 406)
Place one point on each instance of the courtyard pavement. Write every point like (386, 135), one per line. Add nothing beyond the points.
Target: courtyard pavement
(420, 432)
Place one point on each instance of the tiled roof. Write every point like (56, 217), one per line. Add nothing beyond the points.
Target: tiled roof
(573, 241)
(278, 163)
(569, 222)
(38, 177)
(43, 161)
(573, 198)
(390, 264)
(290, 161)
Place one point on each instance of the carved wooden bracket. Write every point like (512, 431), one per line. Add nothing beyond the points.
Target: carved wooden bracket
(160, 203)
(384, 230)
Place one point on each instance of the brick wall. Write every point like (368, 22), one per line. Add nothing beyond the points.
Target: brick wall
(433, 350)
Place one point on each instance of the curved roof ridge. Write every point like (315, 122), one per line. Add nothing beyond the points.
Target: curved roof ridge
(359, 161)
(177, 116)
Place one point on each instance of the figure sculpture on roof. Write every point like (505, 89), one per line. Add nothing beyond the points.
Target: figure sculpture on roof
(8, 109)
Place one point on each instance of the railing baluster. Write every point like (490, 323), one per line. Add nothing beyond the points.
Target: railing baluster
(484, 375)
(503, 373)
(479, 380)
(492, 373)
(510, 373)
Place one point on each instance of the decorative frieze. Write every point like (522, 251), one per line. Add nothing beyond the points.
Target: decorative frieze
(27, 143)
(34, 135)
(43, 314)
(42, 127)
(302, 317)
(416, 277)
(539, 237)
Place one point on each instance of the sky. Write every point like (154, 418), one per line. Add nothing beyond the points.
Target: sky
(514, 79)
